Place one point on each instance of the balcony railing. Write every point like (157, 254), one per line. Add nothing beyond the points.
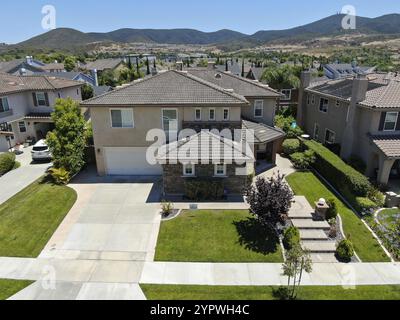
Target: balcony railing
(7, 113)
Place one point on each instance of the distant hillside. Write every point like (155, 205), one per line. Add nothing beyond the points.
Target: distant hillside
(64, 38)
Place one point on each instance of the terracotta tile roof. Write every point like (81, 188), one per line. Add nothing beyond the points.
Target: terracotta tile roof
(262, 132)
(384, 97)
(242, 86)
(13, 84)
(170, 88)
(388, 144)
(208, 146)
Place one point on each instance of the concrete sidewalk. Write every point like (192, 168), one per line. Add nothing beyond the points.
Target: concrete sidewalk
(17, 180)
(262, 274)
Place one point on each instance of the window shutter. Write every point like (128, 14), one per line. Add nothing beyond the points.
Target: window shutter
(382, 122)
(47, 99)
(398, 122)
(34, 99)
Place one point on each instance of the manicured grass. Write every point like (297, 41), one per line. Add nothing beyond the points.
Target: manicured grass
(216, 236)
(10, 287)
(389, 217)
(29, 219)
(366, 246)
(178, 292)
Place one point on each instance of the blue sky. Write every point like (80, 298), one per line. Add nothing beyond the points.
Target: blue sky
(21, 20)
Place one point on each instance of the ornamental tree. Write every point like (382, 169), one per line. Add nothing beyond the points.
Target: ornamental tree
(270, 200)
(67, 142)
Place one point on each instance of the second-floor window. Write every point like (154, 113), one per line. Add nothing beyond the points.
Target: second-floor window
(287, 94)
(323, 105)
(390, 121)
(258, 109)
(226, 114)
(4, 106)
(197, 116)
(211, 115)
(188, 170)
(41, 99)
(122, 118)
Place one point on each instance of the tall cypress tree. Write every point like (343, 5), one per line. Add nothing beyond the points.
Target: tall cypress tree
(148, 65)
(243, 67)
(137, 66)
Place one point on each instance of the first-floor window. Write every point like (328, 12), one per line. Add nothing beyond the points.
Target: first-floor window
(188, 170)
(212, 115)
(22, 126)
(390, 121)
(220, 170)
(226, 114)
(316, 131)
(122, 118)
(258, 108)
(330, 136)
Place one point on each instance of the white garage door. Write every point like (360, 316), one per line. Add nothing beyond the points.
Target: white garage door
(129, 161)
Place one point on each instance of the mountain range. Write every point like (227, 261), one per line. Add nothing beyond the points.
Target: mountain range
(65, 38)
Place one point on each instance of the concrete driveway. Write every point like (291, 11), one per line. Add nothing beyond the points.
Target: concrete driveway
(17, 180)
(104, 241)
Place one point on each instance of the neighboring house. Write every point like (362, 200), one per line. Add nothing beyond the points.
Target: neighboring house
(343, 70)
(360, 115)
(255, 73)
(76, 76)
(234, 68)
(26, 104)
(102, 65)
(29, 66)
(173, 101)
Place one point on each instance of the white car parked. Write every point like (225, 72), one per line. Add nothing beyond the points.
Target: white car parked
(41, 151)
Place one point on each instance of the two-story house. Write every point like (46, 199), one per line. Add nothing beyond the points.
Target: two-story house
(174, 102)
(26, 104)
(360, 114)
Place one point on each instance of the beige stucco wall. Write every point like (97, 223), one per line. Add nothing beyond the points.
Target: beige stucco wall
(268, 114)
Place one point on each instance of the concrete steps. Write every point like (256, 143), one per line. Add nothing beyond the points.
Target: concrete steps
(310, 234)
(310, 224)
(300, 214)
(319, 246)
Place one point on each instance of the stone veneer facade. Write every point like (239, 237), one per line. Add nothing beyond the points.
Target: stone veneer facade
(174, 181)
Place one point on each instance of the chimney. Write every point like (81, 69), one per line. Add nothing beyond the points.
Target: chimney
(179, 65)
(211, 65)
(360, 87)
(95, 77)
(305, 81)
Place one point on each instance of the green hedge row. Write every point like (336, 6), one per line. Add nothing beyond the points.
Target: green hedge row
(7, 162)
(343, 177)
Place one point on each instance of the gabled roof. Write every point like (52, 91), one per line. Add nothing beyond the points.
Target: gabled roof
(170, 88)
(204, 146)
(53, 66)
(257, 72)
(385, 97)
(14, 65)
(242, 86)
(13, 84)
(103, 64)
(262, 132)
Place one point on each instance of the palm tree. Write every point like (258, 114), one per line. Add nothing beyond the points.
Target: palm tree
(281, 78)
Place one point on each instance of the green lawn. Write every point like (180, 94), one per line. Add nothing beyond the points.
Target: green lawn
(10, 287)
(216, 236)
(367, 248)
(178, 292)
(29, 219)
(389, 217)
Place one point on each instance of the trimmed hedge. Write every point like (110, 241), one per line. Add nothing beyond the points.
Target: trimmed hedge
(302, 160)
(343, 177)
(7, 162)
(291, 237)
(345, 250)
(291, 146)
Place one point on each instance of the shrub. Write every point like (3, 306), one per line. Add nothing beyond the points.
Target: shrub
(291, 237)
(345, 250)
(303, 160)
(376, 196)
(7, 162)
(286, 124)
(365, 205)
(291, 146)
(332, 211)
(166, 208)
(357, 163)
(344, 178)
(60, 176)
(207, 189)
